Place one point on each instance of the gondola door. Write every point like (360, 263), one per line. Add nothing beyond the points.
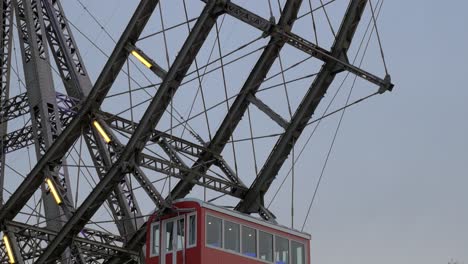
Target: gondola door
(173, 237)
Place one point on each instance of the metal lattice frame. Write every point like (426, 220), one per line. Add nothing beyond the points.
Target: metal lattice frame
(59, 120)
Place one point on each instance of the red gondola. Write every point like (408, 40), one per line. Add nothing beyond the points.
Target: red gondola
(199, 232)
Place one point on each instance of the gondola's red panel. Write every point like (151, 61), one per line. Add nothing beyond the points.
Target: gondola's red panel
(202, 233)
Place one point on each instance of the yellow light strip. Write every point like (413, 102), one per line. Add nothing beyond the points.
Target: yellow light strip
(11, 257)
(54, 192)
(101, 131)
(141, 59)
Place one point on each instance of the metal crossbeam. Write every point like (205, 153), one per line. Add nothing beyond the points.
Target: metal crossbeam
(14, 107)
(19, 105)
(24, 136)
(268, 111)
(304, 112)
(94, 244)
(268, 28)
(64, 49)
(6, 21)
(178, 171)
(177, 144)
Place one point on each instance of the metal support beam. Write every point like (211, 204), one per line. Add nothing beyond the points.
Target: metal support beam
(95, 244)
(64, 49)
(6, 21)
(177, 144)
(240, 104)
(46, 125)
(14, 107)
(268, 111)
(141, 135)
(179, 171)
(254, 198)
(268, 28)
(137, 241)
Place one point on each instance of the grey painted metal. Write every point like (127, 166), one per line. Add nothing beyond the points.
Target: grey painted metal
(64, 49)
(179, 171)
(178, 144)
(14, 107)
(304, 112)
(141, 135)
(268, 111)
(240, 104)
(42, 99)
(96, 244)
(45, 117)
(6, 34)
(53, 156)
(308, 47)
(137, 241)
(24, 136)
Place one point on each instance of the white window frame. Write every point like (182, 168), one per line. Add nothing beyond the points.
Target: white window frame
(257, 232)
(174, 240)
(274, 247)
(188, 230)
(158, 223)
(256, 242)
(222, 232)
(306, 255)
(224, 236)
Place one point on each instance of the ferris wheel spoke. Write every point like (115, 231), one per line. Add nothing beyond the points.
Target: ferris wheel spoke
(305, 111)
(240, 104)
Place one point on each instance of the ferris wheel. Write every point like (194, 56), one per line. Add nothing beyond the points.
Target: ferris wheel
(212, 99)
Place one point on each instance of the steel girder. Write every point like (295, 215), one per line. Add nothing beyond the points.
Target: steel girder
(6, 21)
(316, 92)
(66, 53)
(268, 28)
(172, 144)
(96, 246)
(141, 135)
(241, 103)
(46, 123)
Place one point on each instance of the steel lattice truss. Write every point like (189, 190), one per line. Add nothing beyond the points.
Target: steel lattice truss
(58, 120)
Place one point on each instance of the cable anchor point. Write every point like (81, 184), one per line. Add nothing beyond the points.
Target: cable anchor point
(387, 85)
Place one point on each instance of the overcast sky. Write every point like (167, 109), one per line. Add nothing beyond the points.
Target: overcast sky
(395, 188)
